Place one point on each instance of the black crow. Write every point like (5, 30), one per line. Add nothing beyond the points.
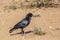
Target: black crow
(22, 24)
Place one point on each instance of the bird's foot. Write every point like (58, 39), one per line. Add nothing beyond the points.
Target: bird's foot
(23, 33)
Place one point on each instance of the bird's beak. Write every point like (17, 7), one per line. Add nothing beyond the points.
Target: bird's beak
(36, 15)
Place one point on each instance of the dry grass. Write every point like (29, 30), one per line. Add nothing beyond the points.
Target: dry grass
(12, 6)
(39, 31)
(30, 4)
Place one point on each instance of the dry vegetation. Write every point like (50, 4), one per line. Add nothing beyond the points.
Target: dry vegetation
(31, 4)
(38, 31)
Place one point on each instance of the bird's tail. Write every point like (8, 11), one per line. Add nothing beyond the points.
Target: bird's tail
(11, 30)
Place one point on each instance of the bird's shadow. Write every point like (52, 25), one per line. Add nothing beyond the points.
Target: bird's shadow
(21, 33)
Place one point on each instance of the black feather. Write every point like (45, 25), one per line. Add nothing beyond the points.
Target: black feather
(23, 23)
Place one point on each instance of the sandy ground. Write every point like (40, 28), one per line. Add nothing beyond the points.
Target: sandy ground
(48, 21)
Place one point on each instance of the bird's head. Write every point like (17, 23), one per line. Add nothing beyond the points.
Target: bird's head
(31, 15)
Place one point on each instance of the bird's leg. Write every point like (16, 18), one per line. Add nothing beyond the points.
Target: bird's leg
(22, 31)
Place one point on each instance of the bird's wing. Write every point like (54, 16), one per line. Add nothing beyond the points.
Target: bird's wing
(23, 23)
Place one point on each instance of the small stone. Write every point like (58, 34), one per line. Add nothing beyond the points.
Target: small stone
(50, 27)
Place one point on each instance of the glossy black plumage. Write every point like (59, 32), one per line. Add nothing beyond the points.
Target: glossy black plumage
(23, 23)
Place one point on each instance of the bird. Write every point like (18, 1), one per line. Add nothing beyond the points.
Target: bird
(22, 24)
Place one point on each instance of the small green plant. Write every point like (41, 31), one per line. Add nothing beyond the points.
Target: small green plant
(38, 31)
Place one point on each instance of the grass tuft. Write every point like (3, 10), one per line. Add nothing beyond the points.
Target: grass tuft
(38, 31)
